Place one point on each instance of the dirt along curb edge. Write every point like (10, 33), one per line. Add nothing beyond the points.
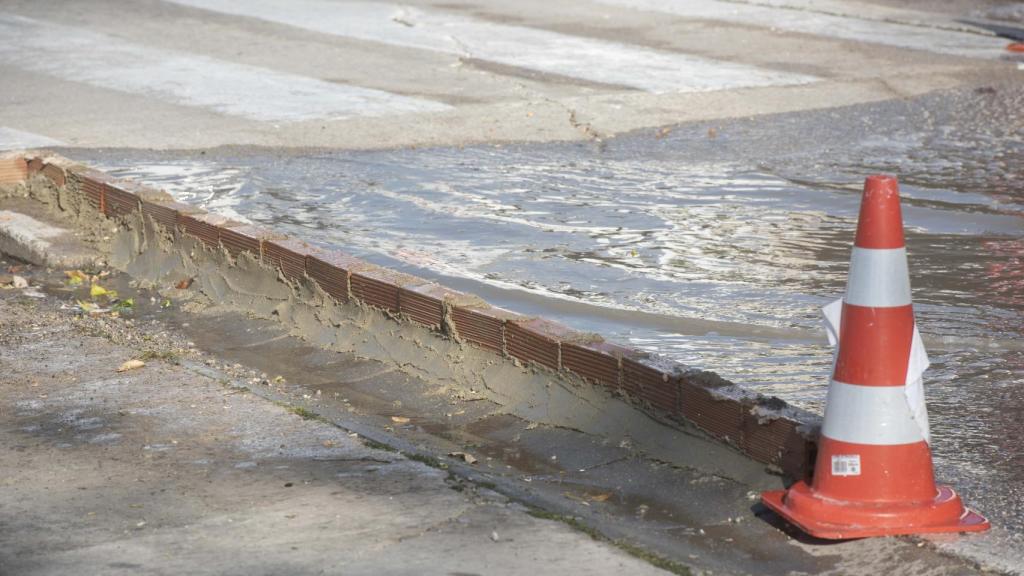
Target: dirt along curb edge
(764, 429)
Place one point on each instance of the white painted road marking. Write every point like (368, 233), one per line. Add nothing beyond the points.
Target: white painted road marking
(193, 80)
(12, 139)
(942, 41)
(529, 48)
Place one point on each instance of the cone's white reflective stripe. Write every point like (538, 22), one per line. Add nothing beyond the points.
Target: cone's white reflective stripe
(878, 278)
(875, 415)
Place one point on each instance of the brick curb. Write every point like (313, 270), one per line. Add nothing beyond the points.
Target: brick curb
(765, 429)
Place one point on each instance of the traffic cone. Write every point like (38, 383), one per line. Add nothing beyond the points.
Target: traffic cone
(873, 474)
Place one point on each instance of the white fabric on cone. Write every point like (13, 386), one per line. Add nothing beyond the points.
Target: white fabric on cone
(916, 365)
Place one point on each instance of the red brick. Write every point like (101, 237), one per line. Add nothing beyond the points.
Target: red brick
(763, 442)
(718, 415)
(55, 174)
(662, 396)
(424, 303)
(378, 287)
(799, 451)
(638, 375)
(145, 192)
(537, 341)
(166, 213)
(94, 185)
(35, 165)
(288, 255)
(204, 227)
(13, 169)
(95, 194)
(238, 239)
(331, 271)
(597, 362)
(481, 324)
(119, 202)
(774, 438)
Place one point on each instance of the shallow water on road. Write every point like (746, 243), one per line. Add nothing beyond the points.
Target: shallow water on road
(716, 248)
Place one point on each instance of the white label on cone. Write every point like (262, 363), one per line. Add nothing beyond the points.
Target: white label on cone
(846, 465)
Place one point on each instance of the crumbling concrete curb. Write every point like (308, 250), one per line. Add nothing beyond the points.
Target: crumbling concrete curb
(28, 239)
(765, 429)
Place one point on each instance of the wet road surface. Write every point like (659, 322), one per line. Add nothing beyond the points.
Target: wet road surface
(714, 244)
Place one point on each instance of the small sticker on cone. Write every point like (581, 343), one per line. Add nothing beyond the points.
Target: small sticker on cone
(846, 465)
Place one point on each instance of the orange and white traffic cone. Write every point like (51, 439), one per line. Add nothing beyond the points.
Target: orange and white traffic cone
(873, 474)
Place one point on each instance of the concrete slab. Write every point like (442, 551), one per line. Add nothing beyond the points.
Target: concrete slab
(27, 233)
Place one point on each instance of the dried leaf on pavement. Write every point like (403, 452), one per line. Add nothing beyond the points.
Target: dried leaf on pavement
(131, 365)
(75, 277)
(96, 291)
(467, 458)
(184, 284)
(587, 498)
(88, 306)
(123, 305)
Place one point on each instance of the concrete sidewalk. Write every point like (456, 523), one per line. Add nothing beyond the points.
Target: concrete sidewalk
(162, 470)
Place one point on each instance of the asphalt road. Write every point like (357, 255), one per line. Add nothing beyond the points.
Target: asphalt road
(192, 74)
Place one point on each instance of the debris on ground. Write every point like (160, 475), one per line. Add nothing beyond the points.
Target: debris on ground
(467, 458)
(131, 365)
(97, 291)
(124, 305)
(91, 308)
(587, 498)
(75, 277)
